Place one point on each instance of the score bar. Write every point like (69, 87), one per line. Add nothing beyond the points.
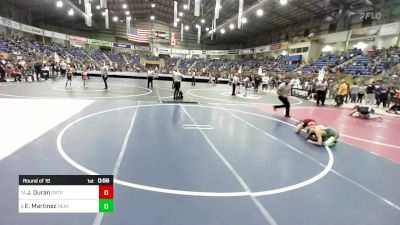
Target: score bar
(66, 193)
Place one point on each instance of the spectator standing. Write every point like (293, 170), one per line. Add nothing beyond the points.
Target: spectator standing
(354, 89)
(38, 70)
(342, 92)
(85, 75)
(370, 94)
(361, 93)
(391, 94)
(63, 68)
(2, 71)
(383, 96)
(69, 76)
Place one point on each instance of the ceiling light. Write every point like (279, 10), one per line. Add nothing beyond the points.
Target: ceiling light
(59, 4)
(90, 14)
(180, 13)
(210, 31)
(186, 27)
(127, 13)
(128, 18)
(153, 5)
(177, 19)
(283, 2)
(103, 13)
(124, 6)
(71, 12)
(260, 12)
(197, 26)
(244, 20)
(185, 6)
(115, 18)
(222, 31)
(152, 17)
(97, 6)
(202, 20)
(207, 29)
(231, 26)
(175, 24)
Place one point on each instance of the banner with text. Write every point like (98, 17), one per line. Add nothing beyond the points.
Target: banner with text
(32, 30)
(100, 42)
(9, 23)
(78, 39)
(53, 34)
(120, 45)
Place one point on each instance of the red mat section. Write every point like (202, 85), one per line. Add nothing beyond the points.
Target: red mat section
(379, 137)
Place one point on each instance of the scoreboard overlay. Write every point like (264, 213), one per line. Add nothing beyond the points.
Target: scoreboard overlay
(66, 194)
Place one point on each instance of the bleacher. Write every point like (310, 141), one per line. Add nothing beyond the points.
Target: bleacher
(186, 63)
(116, 57)
(97, 55)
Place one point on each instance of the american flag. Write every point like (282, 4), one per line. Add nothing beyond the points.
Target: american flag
(139, 35)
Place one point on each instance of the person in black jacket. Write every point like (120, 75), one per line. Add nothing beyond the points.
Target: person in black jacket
(2, 72)
(38, 70)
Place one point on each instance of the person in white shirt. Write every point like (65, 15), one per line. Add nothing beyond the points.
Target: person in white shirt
(150, 77)
(246, 84)
(265, 80)
(177, 83)
(104, 75)
(235, 81)
(63, 68)
(297, 83)
(193, 77)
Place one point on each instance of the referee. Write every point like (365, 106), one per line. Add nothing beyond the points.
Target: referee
(150, 77)
(177, 83)
(283, 92)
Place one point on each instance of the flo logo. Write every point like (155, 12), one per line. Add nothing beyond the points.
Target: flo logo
(371, 15)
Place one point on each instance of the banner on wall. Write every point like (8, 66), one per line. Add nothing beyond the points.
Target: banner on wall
(32, 30)
(262, 49)
(100, 43)
(285, 45)
(163, 50)
(180, 51)
(161, 35)
(142, 48)
(248, 51)
(9, 23)
(78, 39)
(275, 46)
(53, 34)
(172, 42)
(120, 45)
(216, 52)
(233, 52)
(278, 46)
(365, 32)
(196, 52)
(389, 29)
(59, 36)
